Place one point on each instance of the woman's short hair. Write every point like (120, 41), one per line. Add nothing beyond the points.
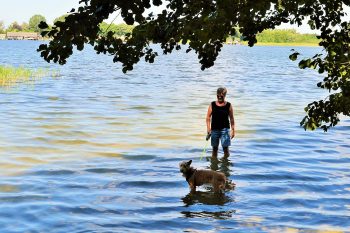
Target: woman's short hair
(221, 90)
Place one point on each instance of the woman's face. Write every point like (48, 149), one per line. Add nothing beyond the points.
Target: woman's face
(221, 98)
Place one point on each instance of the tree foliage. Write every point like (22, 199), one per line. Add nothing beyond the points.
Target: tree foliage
(14, 27)
(205, 25)
(62, 18)
(25, 27)
(2, 27)
(34, 22)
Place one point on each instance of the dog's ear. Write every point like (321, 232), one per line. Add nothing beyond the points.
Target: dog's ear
(189, 162)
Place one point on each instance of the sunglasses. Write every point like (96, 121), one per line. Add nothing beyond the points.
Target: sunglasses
(220, 96)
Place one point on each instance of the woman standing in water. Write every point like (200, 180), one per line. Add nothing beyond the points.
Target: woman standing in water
(219, 118)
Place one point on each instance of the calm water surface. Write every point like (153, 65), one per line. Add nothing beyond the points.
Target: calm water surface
(95, 150)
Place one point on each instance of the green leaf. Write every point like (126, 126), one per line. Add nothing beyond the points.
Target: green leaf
(294, 56)
(43, 25)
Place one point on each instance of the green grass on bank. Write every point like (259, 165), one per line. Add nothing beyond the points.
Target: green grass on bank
(286, 37)
(12, 76)
(279, 37)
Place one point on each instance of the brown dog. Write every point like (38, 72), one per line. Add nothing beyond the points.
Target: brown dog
(196, 177)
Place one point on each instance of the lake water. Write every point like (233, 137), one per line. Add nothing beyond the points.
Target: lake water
(94, 150)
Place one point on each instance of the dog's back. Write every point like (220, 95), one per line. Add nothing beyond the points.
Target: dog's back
(209, 176)
(216, 179)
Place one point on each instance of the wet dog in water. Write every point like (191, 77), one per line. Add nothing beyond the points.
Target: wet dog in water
(198, 177)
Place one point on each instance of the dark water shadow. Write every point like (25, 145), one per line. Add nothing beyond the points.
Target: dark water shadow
(208, 214)
(223, 165)
(207, 198)
(211, 199)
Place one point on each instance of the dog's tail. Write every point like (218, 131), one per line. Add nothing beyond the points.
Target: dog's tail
(229, 185)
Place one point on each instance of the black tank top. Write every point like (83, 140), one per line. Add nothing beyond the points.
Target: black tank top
(220, 116)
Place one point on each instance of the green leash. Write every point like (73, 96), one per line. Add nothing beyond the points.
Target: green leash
(205, 147)
(204, 150)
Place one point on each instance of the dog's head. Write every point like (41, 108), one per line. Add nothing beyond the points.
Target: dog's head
(185, 166)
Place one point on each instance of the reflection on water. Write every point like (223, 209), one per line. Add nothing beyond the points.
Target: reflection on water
(205, 214)
(98, 151)
(207, 198)
(223, 165)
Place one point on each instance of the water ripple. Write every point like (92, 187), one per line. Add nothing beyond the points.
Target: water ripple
(86, 154)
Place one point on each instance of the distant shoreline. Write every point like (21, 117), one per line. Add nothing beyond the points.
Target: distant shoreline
(244, 43)
(281, 44)
(286, 44)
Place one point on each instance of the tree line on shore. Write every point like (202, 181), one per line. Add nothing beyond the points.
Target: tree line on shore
(286, 36)
(120, 30)
(278, 36)
(34, 21)
(30, 26)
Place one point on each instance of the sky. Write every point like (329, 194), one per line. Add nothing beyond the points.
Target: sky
(22, 10)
